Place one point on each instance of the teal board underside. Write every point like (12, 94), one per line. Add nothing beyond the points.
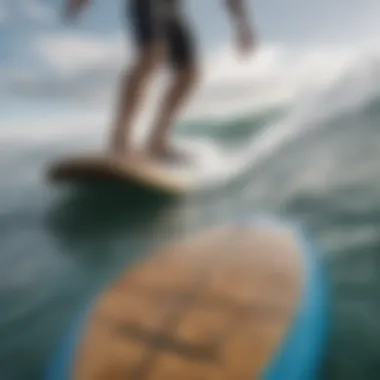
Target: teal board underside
(299, 356)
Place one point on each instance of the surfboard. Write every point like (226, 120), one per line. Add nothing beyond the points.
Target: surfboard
(137, 170)
(232, 302)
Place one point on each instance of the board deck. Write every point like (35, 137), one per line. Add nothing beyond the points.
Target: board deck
(137, 170)
(215, 307)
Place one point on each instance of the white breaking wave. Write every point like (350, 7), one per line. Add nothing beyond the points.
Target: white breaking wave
(314, 83)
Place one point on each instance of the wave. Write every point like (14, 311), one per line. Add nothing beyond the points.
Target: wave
(285, 95)
(228, 147)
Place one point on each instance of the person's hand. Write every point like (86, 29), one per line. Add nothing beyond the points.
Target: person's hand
(246, 41)
(73, 8)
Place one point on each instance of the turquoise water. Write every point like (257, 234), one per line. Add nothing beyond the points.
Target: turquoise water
(320, 166)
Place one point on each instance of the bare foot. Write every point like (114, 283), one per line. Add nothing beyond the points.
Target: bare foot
(120, 150)
(168, 153)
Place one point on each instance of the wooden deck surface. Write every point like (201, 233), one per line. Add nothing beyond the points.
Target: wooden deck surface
(215, 306)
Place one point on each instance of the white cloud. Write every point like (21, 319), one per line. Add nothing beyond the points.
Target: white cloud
(75, 68)
(69, 54)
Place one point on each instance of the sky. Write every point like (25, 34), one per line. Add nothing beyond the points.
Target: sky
(51, 67)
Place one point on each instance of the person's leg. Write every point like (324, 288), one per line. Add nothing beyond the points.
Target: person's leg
(185, 76)
(145, 26)
(133, 87)
(177, 93)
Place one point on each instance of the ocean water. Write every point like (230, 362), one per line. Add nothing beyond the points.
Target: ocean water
(314, 158)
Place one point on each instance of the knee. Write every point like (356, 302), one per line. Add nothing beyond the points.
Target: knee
(148, 59)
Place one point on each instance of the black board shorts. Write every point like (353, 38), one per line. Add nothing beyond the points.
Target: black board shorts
(161, 20)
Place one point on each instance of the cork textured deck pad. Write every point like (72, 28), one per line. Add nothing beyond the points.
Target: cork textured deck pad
(215, 307)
